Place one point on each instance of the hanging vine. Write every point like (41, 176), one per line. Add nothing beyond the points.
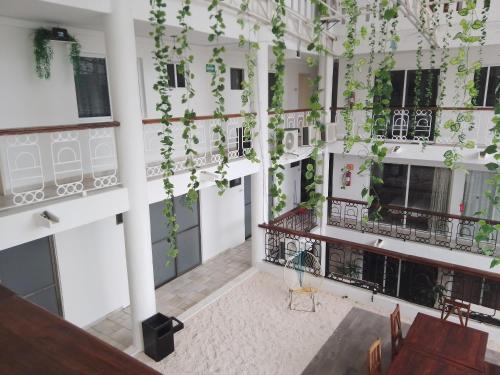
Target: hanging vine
(316, 113)
(217, 84)
(182, 49)
(443, 72)
(469, 35)
(351, 85)
(382, 91)
(275, 125)
(161, 57)
(247, 96)
(44, 53)
(419, 56)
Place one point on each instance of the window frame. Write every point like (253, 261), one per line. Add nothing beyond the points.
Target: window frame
(235, 69)
(176, 77)
(83, 120)
(486, 86)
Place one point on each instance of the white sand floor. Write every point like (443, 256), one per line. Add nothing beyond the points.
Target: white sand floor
(250, 330)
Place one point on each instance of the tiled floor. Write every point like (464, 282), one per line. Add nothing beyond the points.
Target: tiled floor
(180, 294)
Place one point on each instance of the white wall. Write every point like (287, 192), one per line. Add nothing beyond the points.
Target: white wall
(358, 181)
(222, 220)
(92, 271)
(291, 186)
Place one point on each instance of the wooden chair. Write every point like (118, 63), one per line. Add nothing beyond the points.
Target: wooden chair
(375, 358)
(396, 331)
(462, 310)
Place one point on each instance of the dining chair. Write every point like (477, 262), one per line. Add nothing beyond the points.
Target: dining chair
(375, 358)
(451, 306)
(396, 331)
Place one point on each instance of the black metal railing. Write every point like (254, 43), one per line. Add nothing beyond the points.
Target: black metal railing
(414, 279)
(411, 224)
(299, 218)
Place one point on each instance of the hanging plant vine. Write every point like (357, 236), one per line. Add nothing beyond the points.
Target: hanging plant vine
(316, 113)
(469, 35)
(382, 91)
(352, 41)
(247, 96)
(217, 84)
(182, 50)
(161, 57)
(44, 53)
(275, 124)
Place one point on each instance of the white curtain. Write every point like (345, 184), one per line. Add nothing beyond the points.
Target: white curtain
(474, 198)
(440, 190)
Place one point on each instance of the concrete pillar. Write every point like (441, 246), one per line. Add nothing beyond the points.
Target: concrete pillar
(125, 99)
(325, 69)
(260, 189)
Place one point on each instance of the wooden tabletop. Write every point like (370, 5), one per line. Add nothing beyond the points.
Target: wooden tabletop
(441, 346)
(34, 341)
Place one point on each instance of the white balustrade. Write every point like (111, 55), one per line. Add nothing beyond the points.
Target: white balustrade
(47, 165)
(408, 125)
(207, 152)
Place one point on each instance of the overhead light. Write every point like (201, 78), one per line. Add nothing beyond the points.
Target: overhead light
(210, 176)
(379, 242)
(396, 149)
(482, 154)
(46, 219)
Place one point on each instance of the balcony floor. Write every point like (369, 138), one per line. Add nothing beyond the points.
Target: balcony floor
(180, 294)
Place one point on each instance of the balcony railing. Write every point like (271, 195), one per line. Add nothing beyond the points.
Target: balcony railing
(410, 224)
(42, 163)
(207, 150)
(414, 279)
(419, 124)
(300, 218)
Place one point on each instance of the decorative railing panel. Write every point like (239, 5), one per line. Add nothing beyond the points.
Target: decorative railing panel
(50, 162)
(414, 279)
(410, 224)
(300, 218)
(207, 151)
(419, 125)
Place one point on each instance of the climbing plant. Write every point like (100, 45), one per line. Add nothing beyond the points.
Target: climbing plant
(470, 34)
(316, 113)
(275, 124)
(217, 83)
(182, 51)
(352, 12)
(44, 53)
(161, 57)
(487, 229)
(381, 94)
(247, 95)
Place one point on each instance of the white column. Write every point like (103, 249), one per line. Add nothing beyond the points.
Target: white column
(125, 99)
(260, 189)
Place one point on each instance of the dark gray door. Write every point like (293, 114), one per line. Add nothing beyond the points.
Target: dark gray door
(248, 206)
(188, 241)
(29, 270)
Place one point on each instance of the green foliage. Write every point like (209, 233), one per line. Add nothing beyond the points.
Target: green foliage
(44, 52)
(182, 50)
(315, 179)
(275, 125)
(161, 59)
(217, 84)
(352, 40)
(471, 33)
(247, 96)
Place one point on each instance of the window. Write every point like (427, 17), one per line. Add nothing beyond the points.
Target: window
(475, 201)
(413, 186)
(91, 84)
(237, 78)
(487, 79)
(175, 76)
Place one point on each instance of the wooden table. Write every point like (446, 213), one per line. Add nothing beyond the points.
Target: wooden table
(34, 341)
(437, 347)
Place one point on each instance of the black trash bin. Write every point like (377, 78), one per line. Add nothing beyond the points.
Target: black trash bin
(158, 334)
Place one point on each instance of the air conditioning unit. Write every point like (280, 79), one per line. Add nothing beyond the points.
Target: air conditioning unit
(291, 141)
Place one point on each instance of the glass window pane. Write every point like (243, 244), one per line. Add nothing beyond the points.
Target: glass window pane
(427, 95)
(91, 84)
(236, 79)
(393, 189)
(493, 83)
(398, 84)
(480, 83)
(181, 81)
(171, 75)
